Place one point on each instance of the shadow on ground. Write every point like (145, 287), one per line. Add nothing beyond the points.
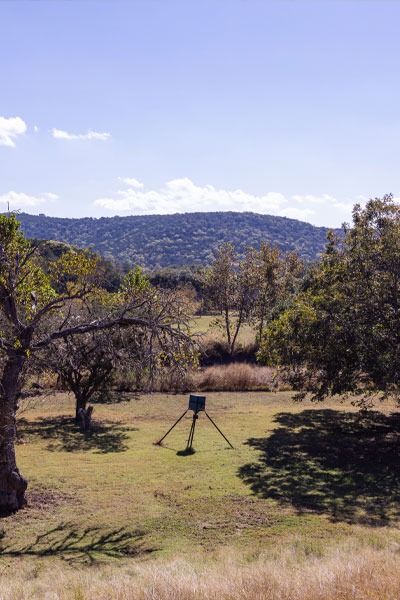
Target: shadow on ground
(112, 397)
(345, 465)
(81, 546)
(65, 435)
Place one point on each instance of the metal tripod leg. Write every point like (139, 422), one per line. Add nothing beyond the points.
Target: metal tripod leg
(218, 429)
(176, 423)
(191, 433)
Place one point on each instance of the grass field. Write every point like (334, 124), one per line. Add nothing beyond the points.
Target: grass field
(205, 324)
(303, 484)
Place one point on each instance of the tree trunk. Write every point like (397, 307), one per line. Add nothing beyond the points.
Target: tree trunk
(238, 326)
(227, 327)
(80, 404)
(12, 484)
(260, 329)
(86, 419)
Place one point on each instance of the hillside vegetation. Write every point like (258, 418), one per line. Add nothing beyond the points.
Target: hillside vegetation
(155, 241)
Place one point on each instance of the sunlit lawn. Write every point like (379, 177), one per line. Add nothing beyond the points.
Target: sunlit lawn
(298, 474)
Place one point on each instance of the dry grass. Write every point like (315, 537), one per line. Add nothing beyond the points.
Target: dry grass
(353, 574)
(235, 377)
(232, 377)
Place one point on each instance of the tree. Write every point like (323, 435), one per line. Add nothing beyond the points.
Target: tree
(276, 276)
(249, 290)
(342, 336)
(230, 288)
(86, 364)
(39, 308)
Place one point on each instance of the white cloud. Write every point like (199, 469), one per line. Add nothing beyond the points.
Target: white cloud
(35, 128)
(348, 204)
(10, 129)
(50, 196)
(17, 200)
(90, 135)
(182, 195)
(132, 182)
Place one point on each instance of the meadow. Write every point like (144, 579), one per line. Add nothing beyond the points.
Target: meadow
(306, 505)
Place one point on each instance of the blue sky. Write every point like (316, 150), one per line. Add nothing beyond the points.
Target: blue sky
(135, 107)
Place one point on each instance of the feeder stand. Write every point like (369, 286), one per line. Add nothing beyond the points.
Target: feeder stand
(196, 404)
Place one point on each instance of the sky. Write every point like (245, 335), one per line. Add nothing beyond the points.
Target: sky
(120, 107)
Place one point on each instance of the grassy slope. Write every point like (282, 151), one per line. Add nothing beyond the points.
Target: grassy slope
(320, 476)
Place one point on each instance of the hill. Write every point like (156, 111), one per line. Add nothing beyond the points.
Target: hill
(155, 241)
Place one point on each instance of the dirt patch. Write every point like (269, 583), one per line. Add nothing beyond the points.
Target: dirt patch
(41, 500)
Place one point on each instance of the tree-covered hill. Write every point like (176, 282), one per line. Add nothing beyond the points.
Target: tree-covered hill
(155, 241)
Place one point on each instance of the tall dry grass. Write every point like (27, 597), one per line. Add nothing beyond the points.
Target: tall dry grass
(233, 377)
(358, 574)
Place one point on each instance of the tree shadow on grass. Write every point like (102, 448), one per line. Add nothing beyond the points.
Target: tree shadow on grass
(342, 464)
(65, 435)
(114, 397)
(89, 545)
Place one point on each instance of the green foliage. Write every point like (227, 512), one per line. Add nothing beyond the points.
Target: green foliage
(276, 276)
(249, 290)
(42, 308)
(135, 283)
(228, 288)
(157, 241)
(342, 335)
(177, 277)
(49, 251)
(75, 271)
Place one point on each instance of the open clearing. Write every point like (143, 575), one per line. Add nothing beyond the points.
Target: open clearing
(303, 478)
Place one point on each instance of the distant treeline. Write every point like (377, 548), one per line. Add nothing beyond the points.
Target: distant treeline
(158, 241)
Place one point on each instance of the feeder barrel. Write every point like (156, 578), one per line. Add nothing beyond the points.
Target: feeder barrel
(197, 403)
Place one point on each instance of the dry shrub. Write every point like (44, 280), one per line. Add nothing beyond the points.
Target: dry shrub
(174, 381)
(358, 574)
(240, 377)
(284, 387)
(129, 380)
(234, 377)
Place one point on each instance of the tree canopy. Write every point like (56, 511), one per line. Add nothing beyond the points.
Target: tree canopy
(156, 241)
(342, 335)
(248, 290)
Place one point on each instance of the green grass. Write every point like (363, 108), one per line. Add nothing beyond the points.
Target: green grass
(300, 476)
